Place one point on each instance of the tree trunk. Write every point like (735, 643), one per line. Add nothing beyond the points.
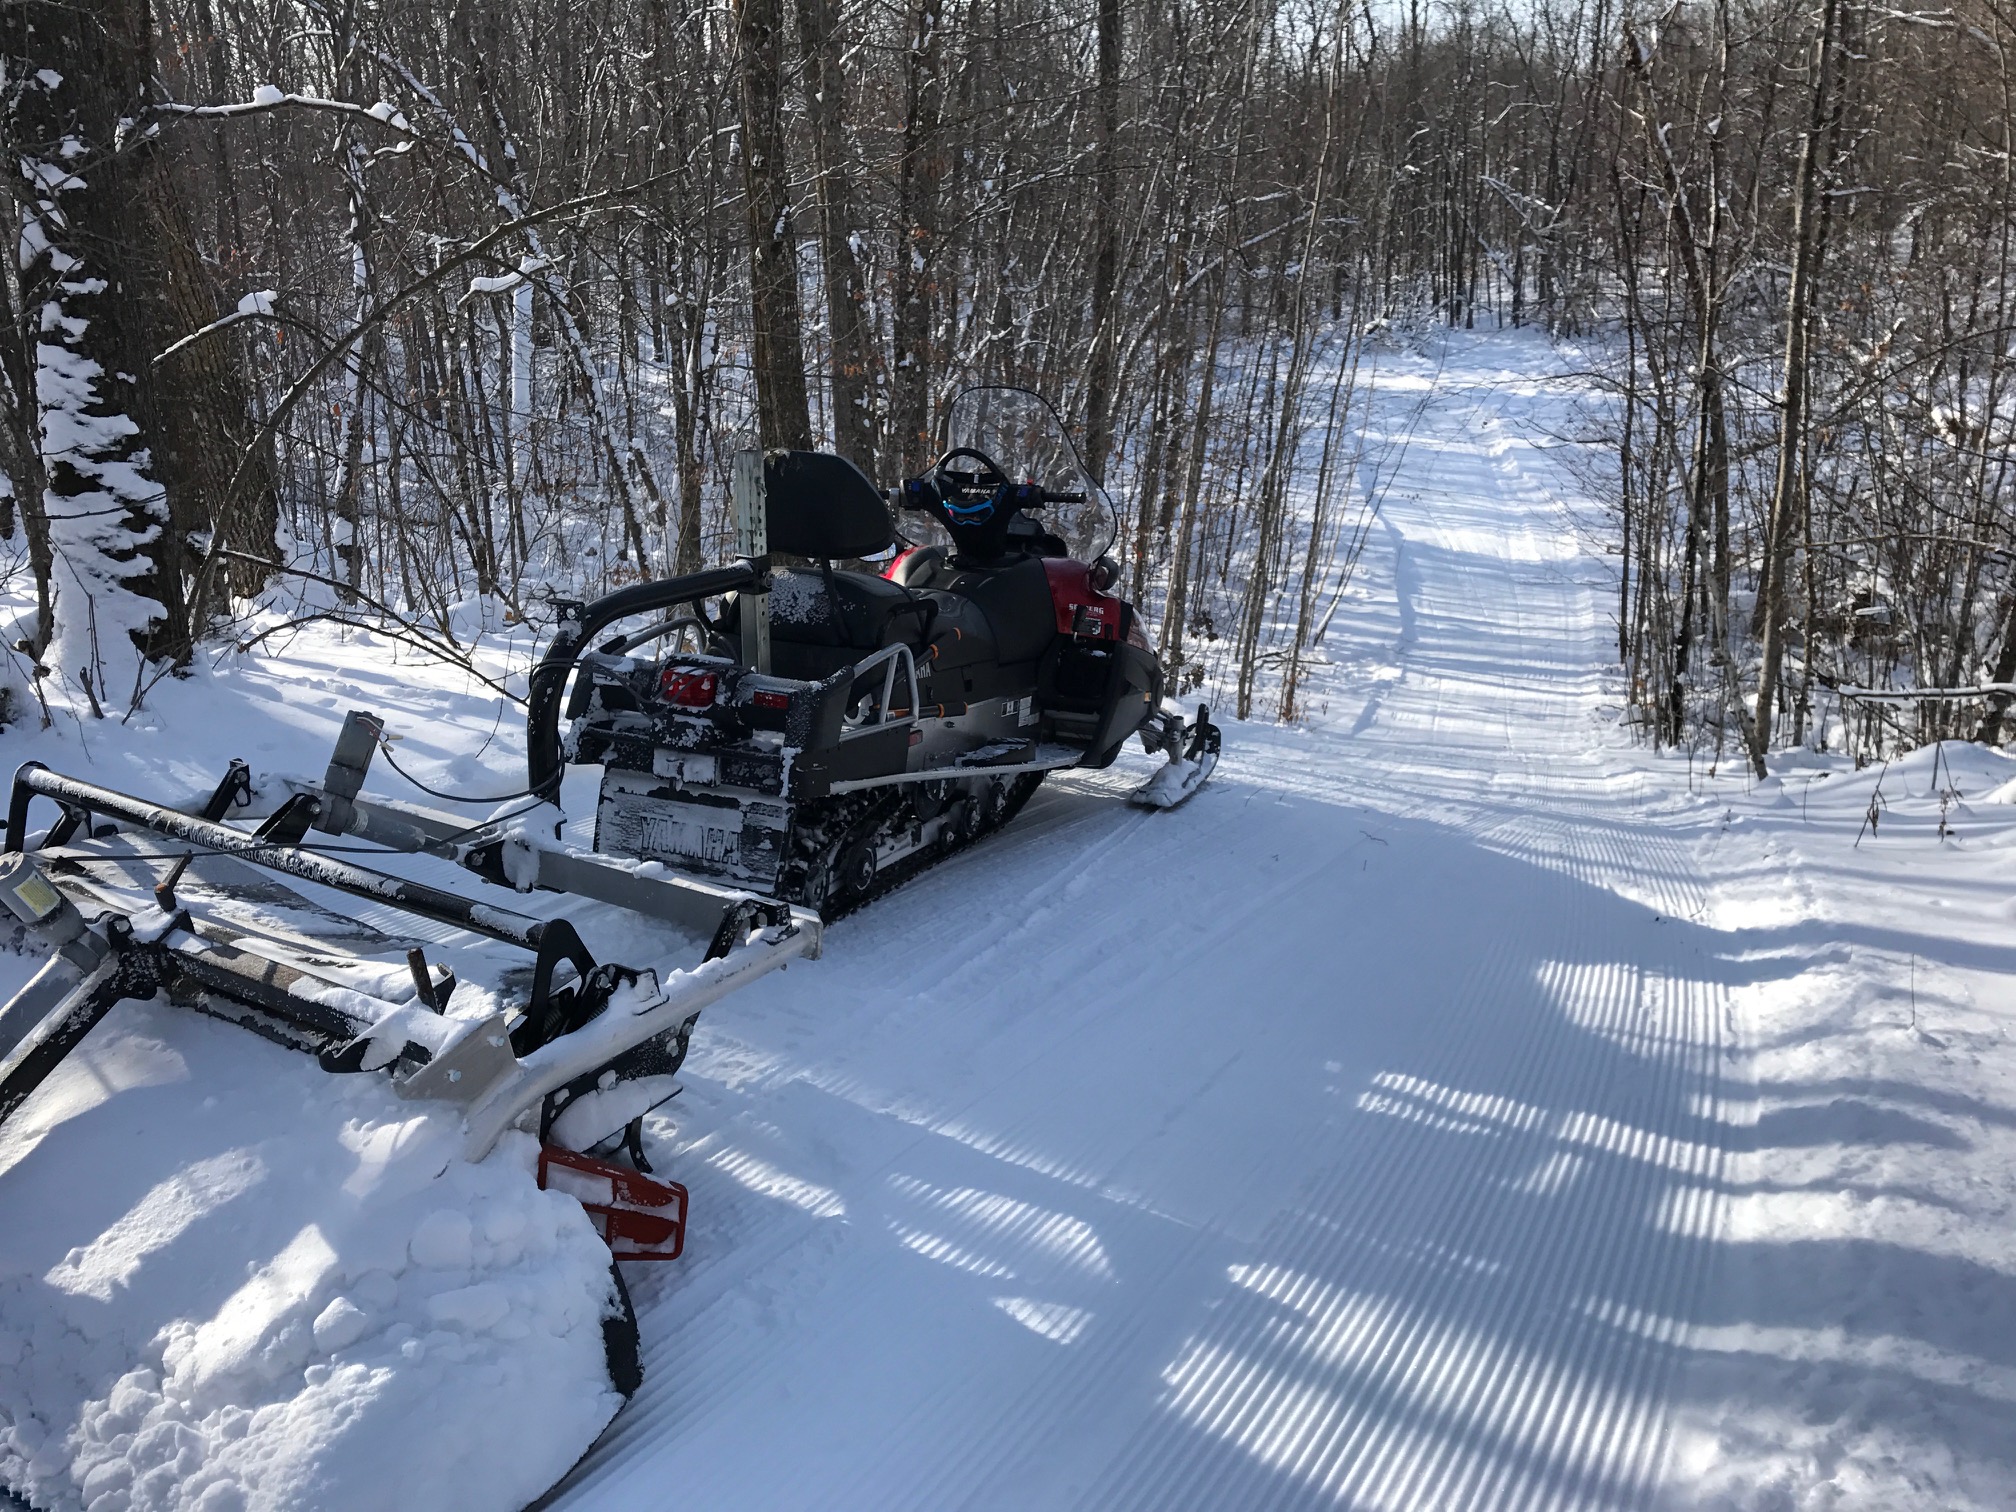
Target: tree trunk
(22, 458)
(783, 418)
(115, 588)
(1099, 376)
(918, 184)
(1708, 485)
(218, 470)
(849, 337)
(1785, 493)
(139, 457)
(1171, 645)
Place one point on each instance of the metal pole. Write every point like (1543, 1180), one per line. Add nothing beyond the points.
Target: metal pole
(358, 881)
(752, 540)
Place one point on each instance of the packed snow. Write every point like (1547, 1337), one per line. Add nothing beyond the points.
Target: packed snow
(292, 1293)
(1452, 1105)
(228, 1279)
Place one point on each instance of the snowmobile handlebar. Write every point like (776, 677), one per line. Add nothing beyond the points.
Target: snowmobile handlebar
(927, 493)
(581, 623)
(988, 480)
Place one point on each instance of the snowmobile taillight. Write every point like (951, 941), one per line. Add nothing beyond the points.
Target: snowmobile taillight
(767, 698)
(638, 1218)
(688, 688)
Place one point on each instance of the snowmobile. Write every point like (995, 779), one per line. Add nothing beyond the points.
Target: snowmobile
(823, 734)
(878, 721)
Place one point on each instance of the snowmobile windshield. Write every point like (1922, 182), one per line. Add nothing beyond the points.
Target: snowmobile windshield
(1024, 435)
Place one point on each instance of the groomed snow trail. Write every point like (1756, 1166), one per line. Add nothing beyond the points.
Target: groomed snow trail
(1348, 1137)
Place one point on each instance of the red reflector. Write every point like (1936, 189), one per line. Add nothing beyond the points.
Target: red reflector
(766, 699)
(687, 688)
(638, 1218)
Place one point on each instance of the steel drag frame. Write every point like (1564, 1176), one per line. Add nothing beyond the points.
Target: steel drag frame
(501, 1071)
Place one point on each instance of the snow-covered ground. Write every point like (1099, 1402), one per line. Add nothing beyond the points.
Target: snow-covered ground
(1452, 1106)
(1859, 1346)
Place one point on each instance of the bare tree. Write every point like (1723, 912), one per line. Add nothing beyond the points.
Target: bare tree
(783, 418)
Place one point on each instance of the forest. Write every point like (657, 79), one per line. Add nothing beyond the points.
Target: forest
(362, 311)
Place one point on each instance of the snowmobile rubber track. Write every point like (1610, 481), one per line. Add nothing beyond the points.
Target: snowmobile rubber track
(887, 881)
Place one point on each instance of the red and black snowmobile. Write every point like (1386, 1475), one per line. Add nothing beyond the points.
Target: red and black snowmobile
(828, 731)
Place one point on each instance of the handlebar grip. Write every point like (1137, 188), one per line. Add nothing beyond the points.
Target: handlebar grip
(1062, 498)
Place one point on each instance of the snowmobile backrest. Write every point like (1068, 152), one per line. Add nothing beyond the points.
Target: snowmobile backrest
(822, 506)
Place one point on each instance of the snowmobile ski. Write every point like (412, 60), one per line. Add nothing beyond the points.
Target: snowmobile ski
(1182, 775)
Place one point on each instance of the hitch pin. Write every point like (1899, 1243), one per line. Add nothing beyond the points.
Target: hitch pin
(431, 993)
(164, 890)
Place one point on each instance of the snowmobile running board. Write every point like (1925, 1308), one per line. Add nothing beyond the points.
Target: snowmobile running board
(1049, 759)
(125, 918)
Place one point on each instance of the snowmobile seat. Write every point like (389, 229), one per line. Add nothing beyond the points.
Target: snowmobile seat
(822, 506)
(816, 607)
(1015, 599)
(822, 620)
(1013, 596)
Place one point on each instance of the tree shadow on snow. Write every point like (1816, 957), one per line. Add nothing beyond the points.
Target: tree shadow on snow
(1406, 1187)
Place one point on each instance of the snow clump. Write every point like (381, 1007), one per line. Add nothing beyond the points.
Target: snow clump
(229, 1280)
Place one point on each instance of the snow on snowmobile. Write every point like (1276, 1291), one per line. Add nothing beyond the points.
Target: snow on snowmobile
(830, 731)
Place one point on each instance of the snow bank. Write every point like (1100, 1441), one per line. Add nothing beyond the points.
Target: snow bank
(229, 1280)
(1857, 1351)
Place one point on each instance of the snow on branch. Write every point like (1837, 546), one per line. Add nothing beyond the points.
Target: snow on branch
(269, 98)
(258, 305)
(1912, 695)
(506, 283)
